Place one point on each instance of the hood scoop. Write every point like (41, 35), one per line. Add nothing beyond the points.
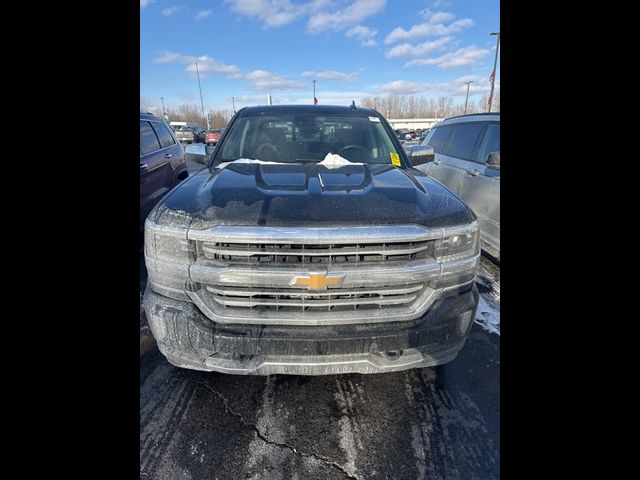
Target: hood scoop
(299, 177)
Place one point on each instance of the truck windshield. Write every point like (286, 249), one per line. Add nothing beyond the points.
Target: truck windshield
(308, 137)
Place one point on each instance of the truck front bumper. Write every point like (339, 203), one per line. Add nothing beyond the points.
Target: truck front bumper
(191, 340)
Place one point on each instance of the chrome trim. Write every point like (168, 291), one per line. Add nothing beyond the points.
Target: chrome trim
(376, 362)
(290, 292)
(340, 251)
(244, 316)
(211, 278)
(313, 235)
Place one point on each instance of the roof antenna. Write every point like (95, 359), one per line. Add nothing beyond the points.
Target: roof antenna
(353, 104)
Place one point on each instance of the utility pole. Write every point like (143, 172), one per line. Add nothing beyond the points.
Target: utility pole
(233, 102)
(467, 99)
(315, 100)
(495, 64)
(165, 115)
(200, 88)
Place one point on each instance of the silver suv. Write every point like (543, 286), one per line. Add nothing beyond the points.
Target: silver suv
(467, 160)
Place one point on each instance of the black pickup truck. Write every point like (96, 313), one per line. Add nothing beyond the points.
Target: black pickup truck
(310, 245)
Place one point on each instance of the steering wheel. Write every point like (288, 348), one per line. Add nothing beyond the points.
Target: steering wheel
(267, 152)
(355, 148)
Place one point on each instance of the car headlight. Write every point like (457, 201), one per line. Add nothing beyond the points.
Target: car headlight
(457, 245)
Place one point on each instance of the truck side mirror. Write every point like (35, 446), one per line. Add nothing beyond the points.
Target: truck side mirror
(419, 154)
(196, 152)
(493, 160)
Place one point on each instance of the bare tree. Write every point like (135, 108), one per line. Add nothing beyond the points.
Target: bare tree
(145, 104)
(219, 118)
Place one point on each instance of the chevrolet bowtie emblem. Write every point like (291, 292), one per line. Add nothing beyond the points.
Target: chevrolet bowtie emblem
(317, 281)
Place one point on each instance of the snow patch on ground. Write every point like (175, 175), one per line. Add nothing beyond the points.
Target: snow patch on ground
(488, 315)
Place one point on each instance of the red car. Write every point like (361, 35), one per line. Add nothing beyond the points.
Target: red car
(212, 136)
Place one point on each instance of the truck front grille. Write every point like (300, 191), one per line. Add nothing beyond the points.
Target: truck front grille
(301, 300)
(297, 254)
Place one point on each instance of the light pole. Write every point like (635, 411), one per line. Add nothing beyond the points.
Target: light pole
(233, 102)
(315, 100)
(200, 88)
(467, 99)
(165, 115)
(495, 64)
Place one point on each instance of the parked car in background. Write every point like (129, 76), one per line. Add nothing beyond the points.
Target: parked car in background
(162, 163)
(212, 136)
(467, 160)
(188, 132)
(310, 244)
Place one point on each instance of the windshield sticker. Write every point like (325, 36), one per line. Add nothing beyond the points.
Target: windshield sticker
(374, 119)
(395, 159)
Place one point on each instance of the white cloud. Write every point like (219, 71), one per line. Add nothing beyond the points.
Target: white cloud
(364, 34)
(427, 29)
(167, 12)
(203, 14)
(265, 81)
(205, 63)
(436, 17)
(419, 50)
(462, 57)
(441, 4)
(352, 14)
(361, 32)
(261, 80)
(276, 13)
(331, 75)
(144, 3)
(455, 87)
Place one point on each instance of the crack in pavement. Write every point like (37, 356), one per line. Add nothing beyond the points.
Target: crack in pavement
(262, 437)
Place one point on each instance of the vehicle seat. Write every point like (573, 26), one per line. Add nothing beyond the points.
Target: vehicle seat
(269, 144)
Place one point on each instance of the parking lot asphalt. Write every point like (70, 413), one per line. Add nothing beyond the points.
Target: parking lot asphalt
(436, 423)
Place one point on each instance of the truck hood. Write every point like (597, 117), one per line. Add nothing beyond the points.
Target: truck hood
(311, 195)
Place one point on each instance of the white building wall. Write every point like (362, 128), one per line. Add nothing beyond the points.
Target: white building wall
(413, 123)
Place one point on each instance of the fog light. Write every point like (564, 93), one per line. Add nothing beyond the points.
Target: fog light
(393, 354)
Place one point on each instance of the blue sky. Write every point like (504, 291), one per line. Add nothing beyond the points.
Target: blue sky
(352, 48)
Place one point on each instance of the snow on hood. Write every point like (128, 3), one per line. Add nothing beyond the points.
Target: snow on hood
(331, 161)
(249, 160)
(336, 161)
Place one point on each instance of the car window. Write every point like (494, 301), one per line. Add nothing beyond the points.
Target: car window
(490, 144)
(437, 138)
(166, 139)
(148, 139)
(464, 140)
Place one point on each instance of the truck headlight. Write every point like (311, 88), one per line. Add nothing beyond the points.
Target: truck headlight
(168, 254)
(167, 244)
(458, 245)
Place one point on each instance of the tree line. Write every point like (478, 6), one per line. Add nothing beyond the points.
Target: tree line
(413, 106)
(391, 106)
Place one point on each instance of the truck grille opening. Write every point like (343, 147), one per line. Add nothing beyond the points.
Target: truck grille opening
(301, 254)
(330, 300)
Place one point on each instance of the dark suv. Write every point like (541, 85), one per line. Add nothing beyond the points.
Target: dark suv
(310, 245)
(162, 163)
